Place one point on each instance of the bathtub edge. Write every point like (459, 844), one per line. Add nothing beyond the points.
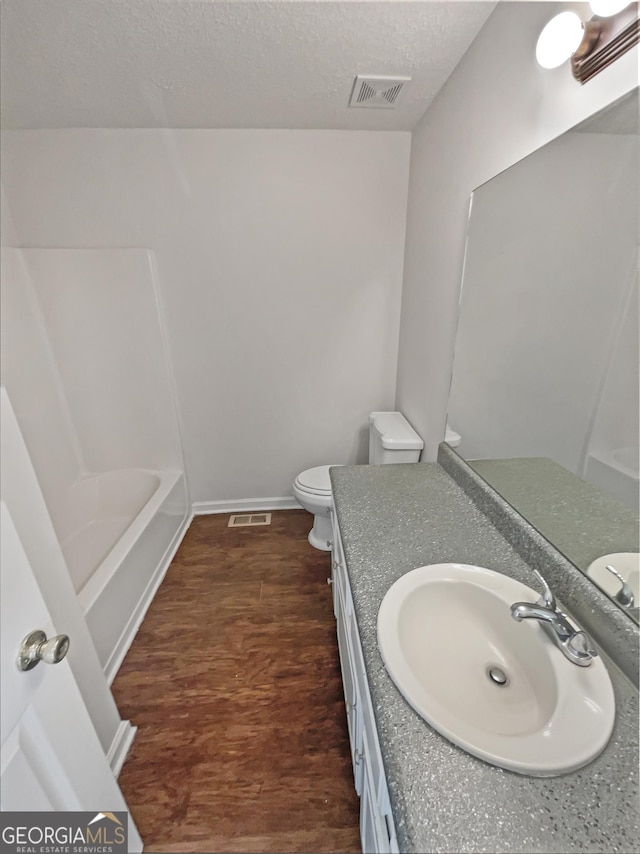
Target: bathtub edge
(120, 746)
(112, 665)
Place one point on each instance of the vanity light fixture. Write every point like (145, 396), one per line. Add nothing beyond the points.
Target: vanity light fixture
(593, 45)
(559, 39)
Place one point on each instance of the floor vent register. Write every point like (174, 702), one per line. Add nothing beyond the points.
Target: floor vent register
(244, 520)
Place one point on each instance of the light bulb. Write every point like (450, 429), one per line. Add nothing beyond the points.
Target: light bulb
(559, 39)
(607, 8)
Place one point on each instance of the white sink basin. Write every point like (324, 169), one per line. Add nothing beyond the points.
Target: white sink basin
(626, 563)
(443, 628)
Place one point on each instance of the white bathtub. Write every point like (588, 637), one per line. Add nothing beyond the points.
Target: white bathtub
(126, 526)
(617, 472)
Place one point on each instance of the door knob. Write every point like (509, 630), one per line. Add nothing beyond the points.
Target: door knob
(36, 648)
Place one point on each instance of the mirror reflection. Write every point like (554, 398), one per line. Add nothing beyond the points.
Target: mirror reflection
(544, 392)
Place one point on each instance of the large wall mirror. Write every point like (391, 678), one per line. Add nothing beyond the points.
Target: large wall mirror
(545, 380)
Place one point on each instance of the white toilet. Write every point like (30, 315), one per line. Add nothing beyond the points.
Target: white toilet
(391, 440)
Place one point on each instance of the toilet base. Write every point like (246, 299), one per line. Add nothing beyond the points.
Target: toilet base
(320, 535)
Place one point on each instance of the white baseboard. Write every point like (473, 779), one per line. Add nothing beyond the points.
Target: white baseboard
(126, 639)
(120, 746)
(244, 505)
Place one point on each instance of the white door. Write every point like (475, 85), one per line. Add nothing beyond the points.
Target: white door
(50, 755)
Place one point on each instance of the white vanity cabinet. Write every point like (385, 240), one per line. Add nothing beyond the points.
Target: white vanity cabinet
(376, 822)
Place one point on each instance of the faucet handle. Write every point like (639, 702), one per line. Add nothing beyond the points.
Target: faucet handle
(624, 596)
(580, 648)
(547, 599)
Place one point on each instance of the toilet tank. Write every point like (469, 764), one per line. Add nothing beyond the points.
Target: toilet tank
(392, 439)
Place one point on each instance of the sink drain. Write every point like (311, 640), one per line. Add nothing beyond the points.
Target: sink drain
(497, 676)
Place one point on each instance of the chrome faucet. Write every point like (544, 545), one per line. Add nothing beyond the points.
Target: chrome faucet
(624, 596)
(572, 642)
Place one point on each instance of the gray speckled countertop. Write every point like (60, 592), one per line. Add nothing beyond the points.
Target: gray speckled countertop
(394, 518)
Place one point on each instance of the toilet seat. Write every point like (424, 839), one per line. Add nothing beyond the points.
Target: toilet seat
(315, 481)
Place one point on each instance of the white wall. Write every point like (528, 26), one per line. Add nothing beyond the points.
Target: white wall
(84, 365)
(497, 107)
(544, 286)
(99, 310)
(32, 379)
(616, 417)
(279, 260)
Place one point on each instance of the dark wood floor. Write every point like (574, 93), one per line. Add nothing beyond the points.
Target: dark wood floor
(234, 684)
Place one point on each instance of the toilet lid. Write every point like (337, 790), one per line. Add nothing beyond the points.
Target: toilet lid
(316, 480)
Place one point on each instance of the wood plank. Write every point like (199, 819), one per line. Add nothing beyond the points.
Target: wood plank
(234, 683)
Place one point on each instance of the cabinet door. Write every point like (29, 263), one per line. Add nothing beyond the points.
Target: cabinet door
(374, 832)
(343, 590)
(367, 823)
(335, 568)
(351, 699)
(348, 679)
(337, 560)
(376, 822)
(374, 758)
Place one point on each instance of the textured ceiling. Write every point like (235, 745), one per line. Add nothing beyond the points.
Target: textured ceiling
(215, 64)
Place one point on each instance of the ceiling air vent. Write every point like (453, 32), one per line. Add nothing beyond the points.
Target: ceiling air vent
(377, 92)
